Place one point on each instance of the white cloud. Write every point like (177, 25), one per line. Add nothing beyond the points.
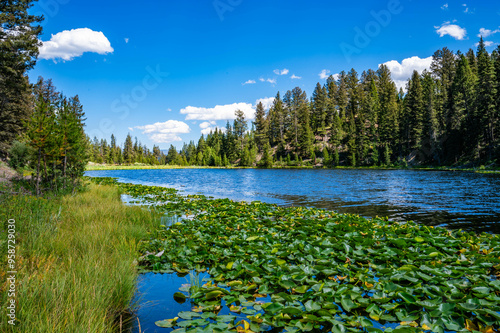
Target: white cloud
(165, 132)
(487, 32)
(295, 77)
(223, 112)
(444, 7)
(273, 81)
(212, 129)
(249, 82)
(169, 110)
(207, 124)
(325, 73)
(284, 71)
(267, 102)
(487, 43)
(69, 44)
(126, 40)
(219, 112)
(467, 11)
(401, 72)
(453, 30)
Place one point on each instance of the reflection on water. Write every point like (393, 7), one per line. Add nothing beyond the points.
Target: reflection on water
(453, 199)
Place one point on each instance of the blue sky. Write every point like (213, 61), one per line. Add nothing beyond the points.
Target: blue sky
(166, 71)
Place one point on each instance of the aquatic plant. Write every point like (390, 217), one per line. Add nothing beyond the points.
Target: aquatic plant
(321, 271)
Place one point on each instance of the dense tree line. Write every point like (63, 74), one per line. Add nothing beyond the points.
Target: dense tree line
(40, 128)
(449, 115)
(19, 43)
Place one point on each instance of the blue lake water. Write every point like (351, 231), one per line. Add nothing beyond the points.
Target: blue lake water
(451, 199)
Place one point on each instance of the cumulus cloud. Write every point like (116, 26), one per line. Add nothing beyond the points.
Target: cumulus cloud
(165, 132)
(219, 112)
(69, 44)
(223, 112)
(207, 124)
(487, 32)
(272, 81)
(401, 72)
(249, 82)
(208, 127)
(487, 43)
(267, 102)
(295, 77)
(444, 7)
(284, 71)
(325, 73)
(452, 30)
(126, 40)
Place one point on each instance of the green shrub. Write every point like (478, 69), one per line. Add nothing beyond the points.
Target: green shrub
(19, 154)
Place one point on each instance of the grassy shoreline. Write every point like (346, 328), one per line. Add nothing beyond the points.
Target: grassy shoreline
(105, 167)
(75, 260)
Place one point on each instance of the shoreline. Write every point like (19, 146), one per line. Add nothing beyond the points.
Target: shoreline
(108, 167)
(75, 260)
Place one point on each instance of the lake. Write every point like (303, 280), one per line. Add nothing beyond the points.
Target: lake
(463, 200)
(451, 199)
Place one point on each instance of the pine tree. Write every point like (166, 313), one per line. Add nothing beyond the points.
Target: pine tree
(40, 127)
(414, 111)
(337, 135)
(128, 150)
(342, 97)
(351, 139)
(371, 111)
(261, 127)
(486, 95)
(430, 147)
(75, 154)
(240, 126)
(172, 155)
(462, 108)
(331, 87)
(295, 103)
(388, 118)
(18, 52)
(305, 134)
(267, 157)
(319, 110)
(471, 58)
(326, 158)
(276, 121)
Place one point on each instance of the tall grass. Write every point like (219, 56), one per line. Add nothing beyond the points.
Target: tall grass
(75, 260)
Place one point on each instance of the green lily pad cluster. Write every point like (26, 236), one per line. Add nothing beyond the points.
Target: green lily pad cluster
(300, 269)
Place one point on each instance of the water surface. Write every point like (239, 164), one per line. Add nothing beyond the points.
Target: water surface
(463, 200)
(451, 199)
